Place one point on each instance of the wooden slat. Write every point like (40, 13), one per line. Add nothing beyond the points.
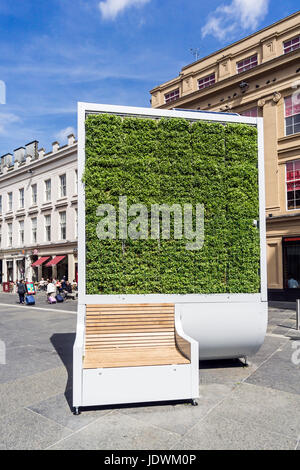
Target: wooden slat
(129, 335)
(129, 358)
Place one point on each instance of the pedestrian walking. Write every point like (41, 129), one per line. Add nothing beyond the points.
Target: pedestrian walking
(21, 291)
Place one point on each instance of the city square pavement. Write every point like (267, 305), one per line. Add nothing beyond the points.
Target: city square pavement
(255, 407)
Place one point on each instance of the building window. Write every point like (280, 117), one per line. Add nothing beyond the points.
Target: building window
(0, 236)
(292, 114)
(247, 64)
(21, 232)
(10, 201)
(291, 45)
(172, 96)
(0, 204)
(293, 184)
(47, 228)
(33, 229)
(63, 185)
(9, 234)
(253, 112)
(206, 81)
(34, 194)
(21, 198)
(63, 225)
(48, 190)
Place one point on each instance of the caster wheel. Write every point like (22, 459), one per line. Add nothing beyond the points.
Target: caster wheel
(194, 403)
(76, 411)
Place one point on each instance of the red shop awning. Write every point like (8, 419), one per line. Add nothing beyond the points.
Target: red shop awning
(40, 261)
(55, 260)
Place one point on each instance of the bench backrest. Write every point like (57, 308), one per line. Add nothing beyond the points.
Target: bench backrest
(129, 326)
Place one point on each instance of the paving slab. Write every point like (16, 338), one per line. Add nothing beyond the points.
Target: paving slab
(272, 410)
(223, 372)
(279, 372)
(179, 418)
(219, 433)
(269, 347)
(27, 360)
(117, 431)
(25, 430)
(58, 408)
(33, 389)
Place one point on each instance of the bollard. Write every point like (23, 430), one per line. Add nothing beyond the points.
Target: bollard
(298, 314)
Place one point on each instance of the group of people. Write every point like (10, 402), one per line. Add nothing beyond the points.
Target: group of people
(51, 286)
(54, 286)
(62, 287)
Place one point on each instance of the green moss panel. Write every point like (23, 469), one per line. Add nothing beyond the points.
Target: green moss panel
(173, 161)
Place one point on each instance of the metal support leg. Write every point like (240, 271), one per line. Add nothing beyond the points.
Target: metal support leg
(246, 362)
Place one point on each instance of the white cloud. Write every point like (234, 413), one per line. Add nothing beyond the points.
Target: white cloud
(239, 14)
(111, 8)
(6, 119)
(63, 134)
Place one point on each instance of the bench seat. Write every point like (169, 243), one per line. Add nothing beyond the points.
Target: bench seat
(133, 357)
(131, 336)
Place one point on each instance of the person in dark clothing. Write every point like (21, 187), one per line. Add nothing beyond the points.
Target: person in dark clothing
(21, 291)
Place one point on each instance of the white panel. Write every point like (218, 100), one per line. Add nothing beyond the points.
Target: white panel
(136, 385)
(229, 330)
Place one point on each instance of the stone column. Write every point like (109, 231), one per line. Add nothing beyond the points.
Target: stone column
(4, 270)
(71, 267)
(28, 268)
(269, 107)
(15, 270)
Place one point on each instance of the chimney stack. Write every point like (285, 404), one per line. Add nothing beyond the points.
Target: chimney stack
(71, 139)
(55, 147)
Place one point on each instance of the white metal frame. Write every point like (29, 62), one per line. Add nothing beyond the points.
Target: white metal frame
(89, 108)
(242, 317)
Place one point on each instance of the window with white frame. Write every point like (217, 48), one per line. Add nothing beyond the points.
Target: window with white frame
(9, 234)
(34, 194)
(206, 81)
(21, 198)
(291, 45)
(47, 228)
(48, 190)
(34, 229)
(63, 185)
(0, 235)
(10, 201)
(292, 114)
(293, 184)
(21, 232)
(0, 204)
(247, 64)
(63, 225)
(172, 96)
(253, 112)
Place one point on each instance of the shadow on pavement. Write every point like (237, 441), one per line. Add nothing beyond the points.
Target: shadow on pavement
(221, 363)
(63, 344)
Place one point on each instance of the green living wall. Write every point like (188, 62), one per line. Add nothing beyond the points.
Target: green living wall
(173, 161)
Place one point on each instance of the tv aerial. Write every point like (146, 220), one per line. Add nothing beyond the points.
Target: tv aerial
(195, 52)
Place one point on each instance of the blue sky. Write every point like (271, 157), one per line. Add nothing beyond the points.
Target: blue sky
(57, 52)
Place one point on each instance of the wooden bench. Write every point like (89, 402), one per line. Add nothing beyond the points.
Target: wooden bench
(131, 336)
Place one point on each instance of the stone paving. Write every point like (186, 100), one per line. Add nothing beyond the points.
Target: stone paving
(255, 407)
